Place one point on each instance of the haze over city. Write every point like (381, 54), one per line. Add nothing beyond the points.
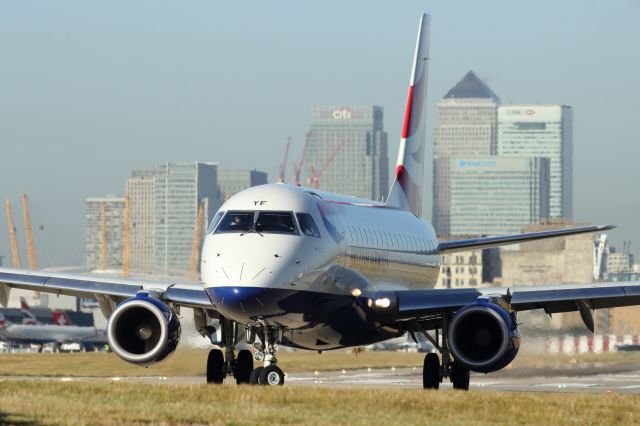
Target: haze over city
(90, 92)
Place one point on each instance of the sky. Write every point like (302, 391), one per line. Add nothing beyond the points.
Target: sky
(92, 90)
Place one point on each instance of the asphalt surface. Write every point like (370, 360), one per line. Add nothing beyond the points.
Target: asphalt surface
(618, 379)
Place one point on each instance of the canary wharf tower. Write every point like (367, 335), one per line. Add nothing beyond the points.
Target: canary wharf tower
(347, 151)
(466, 127)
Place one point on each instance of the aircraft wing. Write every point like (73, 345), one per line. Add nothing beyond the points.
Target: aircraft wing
(423, 305)
(487, 242)
(107, 290)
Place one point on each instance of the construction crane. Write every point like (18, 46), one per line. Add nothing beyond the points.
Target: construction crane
(15, 253)
(197, 242)
(598, 256)
(103, 246)
(316, 174)
(28, 231)
(283, 165)
(126, 237)
(297, 167)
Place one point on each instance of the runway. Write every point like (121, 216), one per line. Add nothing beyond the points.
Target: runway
(613, 379)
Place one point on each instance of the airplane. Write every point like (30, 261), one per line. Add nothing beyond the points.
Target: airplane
(28, 318)
(32, 331)
(286, 265)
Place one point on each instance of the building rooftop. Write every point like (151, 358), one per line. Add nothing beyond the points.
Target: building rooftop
(471, 87)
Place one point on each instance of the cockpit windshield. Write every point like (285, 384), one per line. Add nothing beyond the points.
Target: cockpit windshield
(262, 222)
(276, 222)
(236, 222)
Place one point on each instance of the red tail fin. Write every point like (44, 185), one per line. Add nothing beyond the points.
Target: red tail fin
(61, 318)
(406, 191)
(28, 318)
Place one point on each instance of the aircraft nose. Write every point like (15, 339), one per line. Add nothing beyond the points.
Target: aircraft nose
(251, 261)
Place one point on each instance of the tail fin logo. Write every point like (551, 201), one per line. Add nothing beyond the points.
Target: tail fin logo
(406, 192)
(28, 318)
(61, 318)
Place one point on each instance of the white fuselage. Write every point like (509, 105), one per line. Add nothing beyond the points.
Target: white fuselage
(359, 248)
(47, 333)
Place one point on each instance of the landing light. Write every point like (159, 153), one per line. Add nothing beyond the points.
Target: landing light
(383, 303)
(356, 292)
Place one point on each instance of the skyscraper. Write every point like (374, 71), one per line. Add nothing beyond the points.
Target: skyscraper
(178, 193)
(347, 151)
(113, 208)
(231, 182)
(465, 127)
(542, 131)
(140, 189)
(497, 196)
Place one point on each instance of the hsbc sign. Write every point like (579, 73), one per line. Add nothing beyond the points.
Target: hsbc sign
(521, 112)
(342, 114)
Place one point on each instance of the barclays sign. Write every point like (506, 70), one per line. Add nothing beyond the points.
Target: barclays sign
(476, 163)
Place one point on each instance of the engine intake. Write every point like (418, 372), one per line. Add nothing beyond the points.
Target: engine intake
(143, 330)
(484, 337)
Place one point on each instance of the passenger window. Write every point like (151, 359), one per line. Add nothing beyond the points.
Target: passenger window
(277, 223)
(308, 225)
(236, 222)
(214, 222)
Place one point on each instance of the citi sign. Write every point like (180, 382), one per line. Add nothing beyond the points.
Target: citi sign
(343, 113)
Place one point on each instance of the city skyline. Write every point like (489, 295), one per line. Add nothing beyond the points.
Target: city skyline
(90, 94)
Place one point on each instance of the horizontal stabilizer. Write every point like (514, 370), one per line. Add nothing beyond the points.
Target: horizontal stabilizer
(487, 242)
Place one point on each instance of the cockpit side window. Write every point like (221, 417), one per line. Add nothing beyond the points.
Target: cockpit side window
(214, 222)
(276, 222)
(308, 225)
(236, 222)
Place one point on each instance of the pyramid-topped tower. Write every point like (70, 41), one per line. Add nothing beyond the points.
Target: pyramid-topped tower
(466, 126)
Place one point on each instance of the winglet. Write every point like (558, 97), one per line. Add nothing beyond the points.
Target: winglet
(406, 191)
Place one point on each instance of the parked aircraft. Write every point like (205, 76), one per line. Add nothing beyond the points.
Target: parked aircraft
(43, 333)
(288, 265)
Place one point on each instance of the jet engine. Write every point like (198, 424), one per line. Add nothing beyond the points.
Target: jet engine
(484, 336)
(143, 330)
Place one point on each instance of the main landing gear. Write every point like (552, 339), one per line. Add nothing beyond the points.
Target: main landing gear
(433, 372)
(220, 365)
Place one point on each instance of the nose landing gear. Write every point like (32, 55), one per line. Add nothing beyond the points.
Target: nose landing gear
(270, 374)
(222, 364)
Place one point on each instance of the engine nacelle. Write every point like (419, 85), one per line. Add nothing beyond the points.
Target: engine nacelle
(143, 330)
(484, 337)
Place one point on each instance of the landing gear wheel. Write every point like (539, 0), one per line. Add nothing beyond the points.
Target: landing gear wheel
(459, 376)
(254, 379)
(272, 376)
(215, 366)
(431, 371)
(244, 367)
